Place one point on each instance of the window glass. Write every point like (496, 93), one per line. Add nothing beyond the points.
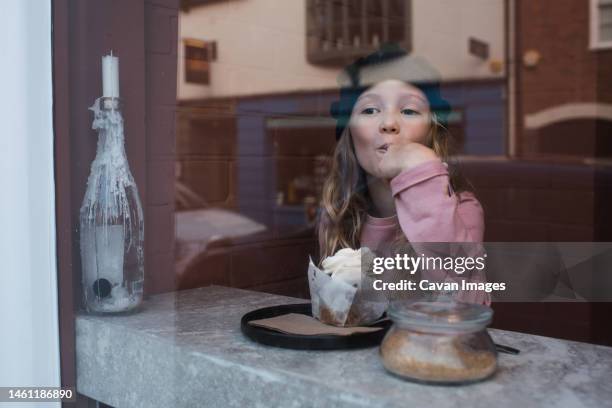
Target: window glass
(237, 113)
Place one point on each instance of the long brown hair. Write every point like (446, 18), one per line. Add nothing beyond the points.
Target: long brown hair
(345, 200)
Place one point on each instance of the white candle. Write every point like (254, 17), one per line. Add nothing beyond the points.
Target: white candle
(110, 76)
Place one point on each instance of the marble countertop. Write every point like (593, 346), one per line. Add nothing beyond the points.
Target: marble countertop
(185, 349)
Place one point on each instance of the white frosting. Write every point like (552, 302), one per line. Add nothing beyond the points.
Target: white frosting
(345, 265)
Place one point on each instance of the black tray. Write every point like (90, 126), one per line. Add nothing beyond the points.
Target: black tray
(306, 342)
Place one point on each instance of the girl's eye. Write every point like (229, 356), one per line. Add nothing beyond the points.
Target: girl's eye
(410, 112)
(369, 111)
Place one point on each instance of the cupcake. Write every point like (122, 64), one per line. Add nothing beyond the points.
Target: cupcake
(341, 292)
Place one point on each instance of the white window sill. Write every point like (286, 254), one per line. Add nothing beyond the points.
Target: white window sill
(601, 46)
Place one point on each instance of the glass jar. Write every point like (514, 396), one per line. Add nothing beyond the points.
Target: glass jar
(442, 342)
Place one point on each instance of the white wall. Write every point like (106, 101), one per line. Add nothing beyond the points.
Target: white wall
(442, 29)
(262, 48)
(29, 341)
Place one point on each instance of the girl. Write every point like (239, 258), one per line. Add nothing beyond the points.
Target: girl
(389, 182)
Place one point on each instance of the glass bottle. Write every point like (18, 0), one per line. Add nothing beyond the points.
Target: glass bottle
(111, 221)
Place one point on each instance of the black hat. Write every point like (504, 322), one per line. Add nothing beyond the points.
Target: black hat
(390, 61)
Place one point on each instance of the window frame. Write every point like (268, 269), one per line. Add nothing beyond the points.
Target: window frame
(595, 42)
(196, 68)
(317, 35)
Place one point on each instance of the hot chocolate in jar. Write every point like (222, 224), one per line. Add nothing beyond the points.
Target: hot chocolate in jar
(442, 342)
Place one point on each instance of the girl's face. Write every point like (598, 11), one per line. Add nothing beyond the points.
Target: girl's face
(389, 112)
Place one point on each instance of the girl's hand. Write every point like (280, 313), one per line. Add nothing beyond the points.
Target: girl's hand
(403, 156)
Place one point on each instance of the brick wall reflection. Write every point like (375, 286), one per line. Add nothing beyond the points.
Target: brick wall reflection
(263, 165)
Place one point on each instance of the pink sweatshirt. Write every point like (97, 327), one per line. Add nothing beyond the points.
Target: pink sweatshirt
(428, 211)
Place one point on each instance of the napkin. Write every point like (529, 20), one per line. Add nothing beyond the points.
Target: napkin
(297, 323)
